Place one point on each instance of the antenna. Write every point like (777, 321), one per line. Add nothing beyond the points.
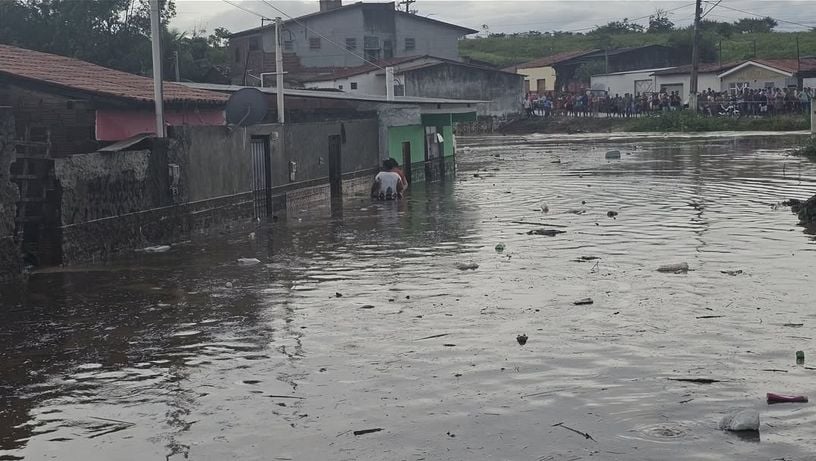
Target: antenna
(247, 106)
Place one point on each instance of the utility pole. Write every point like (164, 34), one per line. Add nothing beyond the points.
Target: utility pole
(695, 57)
(753, 56)
(155, 38)
(178, 72)
(719, 58)
(279, 69)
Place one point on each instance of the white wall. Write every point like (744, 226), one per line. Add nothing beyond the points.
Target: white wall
(369, 83)
(619, 84)
(704, 82)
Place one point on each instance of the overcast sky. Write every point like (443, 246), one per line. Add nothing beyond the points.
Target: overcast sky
(509, 16)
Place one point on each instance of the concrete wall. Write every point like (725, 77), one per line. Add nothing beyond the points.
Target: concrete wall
(368, 83)
(756, 77)
(213, 162)
(503, 90)
(10, 261)
(307, 144)
(396, 116)
(705, 81)
(532, 76)
(622, 84)
(414, 134)
(430, 39)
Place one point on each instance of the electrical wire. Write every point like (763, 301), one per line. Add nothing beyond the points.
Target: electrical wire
(338, 45)
(760, 15)
(246, 10)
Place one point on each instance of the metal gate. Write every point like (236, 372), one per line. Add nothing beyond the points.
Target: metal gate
(261, 176)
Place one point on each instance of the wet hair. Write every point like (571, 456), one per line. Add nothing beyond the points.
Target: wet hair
(390, 163)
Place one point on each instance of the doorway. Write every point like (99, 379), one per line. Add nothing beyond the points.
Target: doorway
(335, 167)
(261, 176)
(406, 161)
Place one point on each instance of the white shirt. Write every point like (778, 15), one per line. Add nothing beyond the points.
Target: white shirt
(386, 180)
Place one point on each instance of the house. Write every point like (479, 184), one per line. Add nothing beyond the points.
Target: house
(632, 82)
(431, 77)
(539, 74)
(82, 176)
(342, 36)
(574, 74)
(735, 76)
(677, 79)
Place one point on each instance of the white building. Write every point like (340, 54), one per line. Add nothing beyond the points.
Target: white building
(632, 82)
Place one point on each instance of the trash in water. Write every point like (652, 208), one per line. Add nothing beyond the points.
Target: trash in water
(157, 249)
(740, 420)
(467, 266)
(612, 214)
(793, 325)
(367, 431)
(338, 295)
(545, 208)
(613, 154)
(499, 247)
(733, 273)
(522, 339)
(800, 357)
(547, 232)
(586, 259)
(248, 261)
(583, 302)
(252, 235)
(674, 268)
(228, 285)
(783, 398)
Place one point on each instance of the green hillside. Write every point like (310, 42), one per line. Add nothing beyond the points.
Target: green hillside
(513, 49)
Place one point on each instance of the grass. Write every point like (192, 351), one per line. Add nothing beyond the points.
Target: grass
(508, 50)
(688, 122)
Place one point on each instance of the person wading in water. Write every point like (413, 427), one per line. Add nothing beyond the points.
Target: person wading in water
(388, 185)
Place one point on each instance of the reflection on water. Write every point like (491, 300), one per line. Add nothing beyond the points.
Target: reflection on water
(357, 318)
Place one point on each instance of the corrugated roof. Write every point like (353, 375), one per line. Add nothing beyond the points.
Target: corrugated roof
(85, 77)
(344, 72)
(553, 59)
(702, 68)
(466, 30)
(333, 94)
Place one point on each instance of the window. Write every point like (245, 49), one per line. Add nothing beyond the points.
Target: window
(410, 44)
(351, 43)
(399, 89)
(314, 43)
(371, 43)
(372, 55)
(339, 87)
(353, 85)
(253, 44)
(288, 45)
(388, 50)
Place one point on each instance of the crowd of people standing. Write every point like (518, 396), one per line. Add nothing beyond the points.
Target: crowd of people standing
(593, 103)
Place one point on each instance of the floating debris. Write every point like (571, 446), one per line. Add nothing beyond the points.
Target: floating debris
(583, 302)
(613, 155)
(547, 232)
(612, 214)
(740, 420)
(467, 266)
(678, 268)
(522, 339)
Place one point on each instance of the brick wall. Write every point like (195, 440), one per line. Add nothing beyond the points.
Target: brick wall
(10, 263)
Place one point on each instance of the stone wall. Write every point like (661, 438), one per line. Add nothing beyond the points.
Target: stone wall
(10, 260)
(101, 185)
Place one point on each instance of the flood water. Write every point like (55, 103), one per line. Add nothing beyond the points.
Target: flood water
(363, 321)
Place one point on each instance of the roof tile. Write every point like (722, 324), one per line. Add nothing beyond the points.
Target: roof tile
(90, 78)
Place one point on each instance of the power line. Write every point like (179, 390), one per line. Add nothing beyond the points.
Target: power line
(709, 10)
(761, 16)
(246, 10)
(342, 47)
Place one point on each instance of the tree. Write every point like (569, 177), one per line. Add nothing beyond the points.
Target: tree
(617, 28)
(585, 71)
(753, 25)
(660, 23)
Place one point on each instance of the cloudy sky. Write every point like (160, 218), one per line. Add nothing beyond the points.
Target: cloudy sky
(509, 16)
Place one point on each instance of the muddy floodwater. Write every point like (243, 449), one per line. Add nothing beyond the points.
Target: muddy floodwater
(362, 319)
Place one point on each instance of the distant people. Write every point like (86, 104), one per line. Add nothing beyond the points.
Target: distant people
(387, 184)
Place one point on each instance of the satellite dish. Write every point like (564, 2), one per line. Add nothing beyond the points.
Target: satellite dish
(246, 106)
